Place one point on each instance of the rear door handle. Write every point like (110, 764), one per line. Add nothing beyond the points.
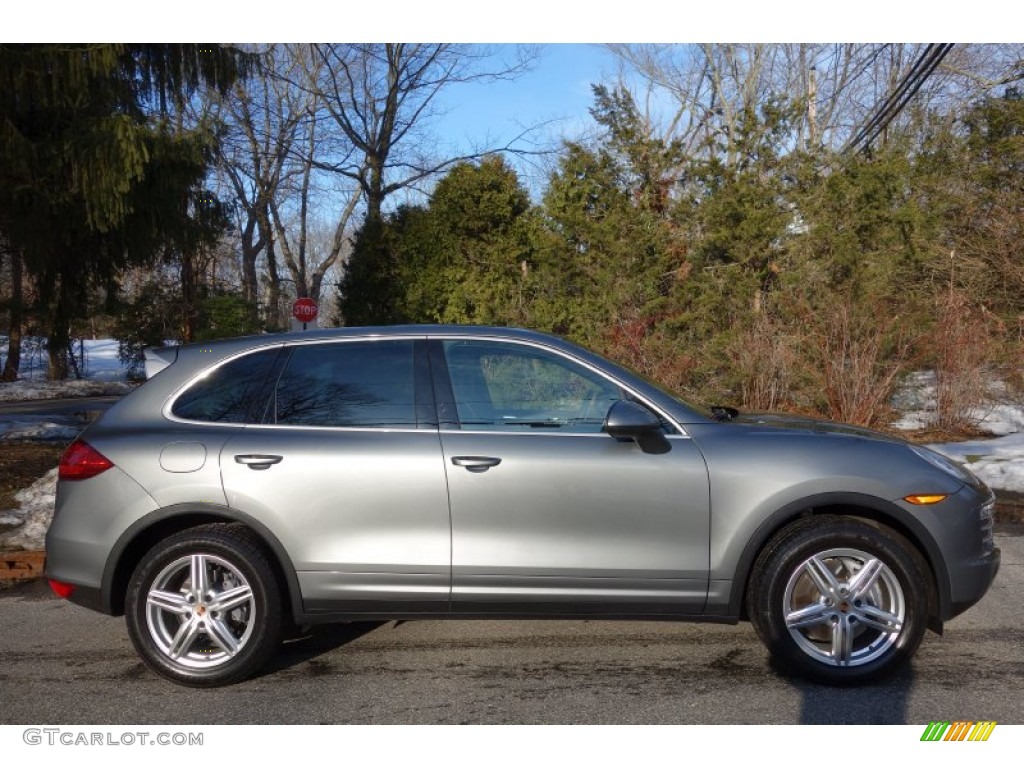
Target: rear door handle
(257, 460)
(476, 463)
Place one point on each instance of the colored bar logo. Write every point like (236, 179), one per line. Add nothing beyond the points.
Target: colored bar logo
(959, 730)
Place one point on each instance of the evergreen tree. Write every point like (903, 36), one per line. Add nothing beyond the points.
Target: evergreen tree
(464, 258)
(96, 168)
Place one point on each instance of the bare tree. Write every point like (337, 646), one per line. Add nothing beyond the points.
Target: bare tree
(271, 159)
(262, 121)
(293, 216)
(710, 86)
(380, 98)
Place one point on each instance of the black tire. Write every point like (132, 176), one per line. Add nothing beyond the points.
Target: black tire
(217, 638)
(845, 628)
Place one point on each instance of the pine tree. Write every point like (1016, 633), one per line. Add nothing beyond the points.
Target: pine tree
(96, 168)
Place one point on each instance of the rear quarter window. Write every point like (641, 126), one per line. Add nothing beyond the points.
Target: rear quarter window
(351, 384)
(228, 394)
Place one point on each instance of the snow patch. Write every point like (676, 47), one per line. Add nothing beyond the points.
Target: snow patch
(999, 462)
(33, 515)
(27, 389)
(96, 359)
(44, 429)
(915, 399)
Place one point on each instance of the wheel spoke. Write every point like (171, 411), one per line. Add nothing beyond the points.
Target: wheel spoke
(183, 638)
(823, 578)
(842, 643)
(172, 602)
(200, 578)
(231, 598)
(876, 618)
(865, 578)
(221, 635)
(816, 613)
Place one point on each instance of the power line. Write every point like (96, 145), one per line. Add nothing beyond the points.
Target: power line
(905, 90)
(885, 109)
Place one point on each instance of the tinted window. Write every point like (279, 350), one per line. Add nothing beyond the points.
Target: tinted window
(351, 384)
(514, 387)
(228, 393)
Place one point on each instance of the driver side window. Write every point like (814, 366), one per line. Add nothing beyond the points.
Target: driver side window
(518, 388)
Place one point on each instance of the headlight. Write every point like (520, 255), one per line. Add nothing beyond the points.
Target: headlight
(947, 465)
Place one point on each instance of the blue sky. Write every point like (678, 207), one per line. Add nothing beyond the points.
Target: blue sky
(550, 102)
(556, 89)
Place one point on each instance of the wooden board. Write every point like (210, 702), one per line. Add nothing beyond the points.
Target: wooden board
(21, 565)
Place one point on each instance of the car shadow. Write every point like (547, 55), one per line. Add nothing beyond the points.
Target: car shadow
(883, 702)
(303, 645)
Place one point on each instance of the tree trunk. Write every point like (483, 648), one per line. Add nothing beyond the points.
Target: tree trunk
(250, 253)
(189, 280)
(274, 321)
(59, 338)
(13, 361)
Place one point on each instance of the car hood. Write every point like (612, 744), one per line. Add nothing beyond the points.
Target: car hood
(806, 424)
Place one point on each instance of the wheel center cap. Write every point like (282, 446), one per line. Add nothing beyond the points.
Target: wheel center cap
(844, 606)
(201, 609)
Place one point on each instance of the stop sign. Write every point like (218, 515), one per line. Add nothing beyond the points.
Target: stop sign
(304, 310)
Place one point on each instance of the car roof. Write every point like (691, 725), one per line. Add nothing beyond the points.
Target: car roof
(386, 330)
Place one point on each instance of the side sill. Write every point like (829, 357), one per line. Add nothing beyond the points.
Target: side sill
(330, 613)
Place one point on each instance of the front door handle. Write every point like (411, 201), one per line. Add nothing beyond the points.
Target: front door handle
(257, 460)
(476, 463)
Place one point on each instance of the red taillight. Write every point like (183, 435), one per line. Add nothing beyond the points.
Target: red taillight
(60, 589)
(81, 461)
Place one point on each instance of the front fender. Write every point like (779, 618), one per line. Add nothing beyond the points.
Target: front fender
(736, 570)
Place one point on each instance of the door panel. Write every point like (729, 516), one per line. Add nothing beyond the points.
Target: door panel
(578, 518)
(348, 473)
(364, 514)
(549, 512)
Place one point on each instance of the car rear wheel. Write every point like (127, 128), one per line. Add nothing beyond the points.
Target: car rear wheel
(204, 607)
(838, 600)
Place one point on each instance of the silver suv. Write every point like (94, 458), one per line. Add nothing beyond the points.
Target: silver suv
(433, 472)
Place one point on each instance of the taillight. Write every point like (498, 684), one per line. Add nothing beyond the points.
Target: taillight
(81, 461)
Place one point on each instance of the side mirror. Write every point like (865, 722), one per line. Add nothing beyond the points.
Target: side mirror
(631, 421)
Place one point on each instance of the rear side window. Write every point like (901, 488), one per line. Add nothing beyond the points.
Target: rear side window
(228, 394)
(349, 384)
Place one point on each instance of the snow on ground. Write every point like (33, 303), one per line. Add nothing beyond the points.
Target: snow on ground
(46, 428)
(33, 515)
(28, 389)
(915, 400)
(98, 359)
(998, 462)
(102, 371)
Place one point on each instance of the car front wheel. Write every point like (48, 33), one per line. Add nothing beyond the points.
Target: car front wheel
(204, 607)
(838, 600)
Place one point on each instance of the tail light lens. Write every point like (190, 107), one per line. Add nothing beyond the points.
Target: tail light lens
(81, 461)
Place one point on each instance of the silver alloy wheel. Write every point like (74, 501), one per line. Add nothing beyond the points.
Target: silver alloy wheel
(844, 607)
(200, 611)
